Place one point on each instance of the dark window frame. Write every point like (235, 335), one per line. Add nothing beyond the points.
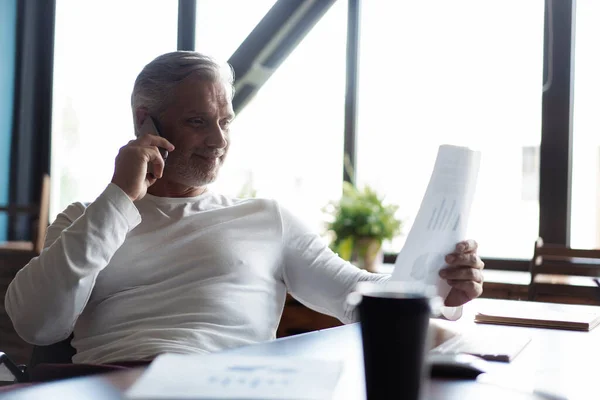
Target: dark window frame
(32, 111)
(351, 95)
(186, 25)
(557, 122)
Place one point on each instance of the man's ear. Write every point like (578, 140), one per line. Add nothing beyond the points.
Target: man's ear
(141, 113)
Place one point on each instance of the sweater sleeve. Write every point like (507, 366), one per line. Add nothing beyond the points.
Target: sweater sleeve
(315, 275)
(319, 278)
(47, 296)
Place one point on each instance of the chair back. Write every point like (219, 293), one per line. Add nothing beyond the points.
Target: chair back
(563, 274)
(39, 213)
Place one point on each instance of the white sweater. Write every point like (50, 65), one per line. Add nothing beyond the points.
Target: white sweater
(180, 275)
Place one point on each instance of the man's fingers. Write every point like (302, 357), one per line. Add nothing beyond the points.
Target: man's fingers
(470, 288)
(466, 246)
(150, 180)
(468, 259)
(138, 165)
(156, 164)
(153, 140)
(158, 170)
(456, 298)
(462, 274)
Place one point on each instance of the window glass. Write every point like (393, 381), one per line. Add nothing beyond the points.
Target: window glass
(464, 72)
(287, 143)
(99, 49)
(585, 192)
(222, 25)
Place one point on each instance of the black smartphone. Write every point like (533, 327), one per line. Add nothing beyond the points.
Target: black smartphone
(151, 127)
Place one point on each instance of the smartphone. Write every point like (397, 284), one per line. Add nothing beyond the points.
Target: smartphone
(151, 127)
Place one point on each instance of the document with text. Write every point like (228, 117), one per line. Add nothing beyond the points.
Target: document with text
(442, 219)
(177, 376)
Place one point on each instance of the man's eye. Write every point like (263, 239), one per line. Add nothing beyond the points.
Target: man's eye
(225, 123)
(197, 121)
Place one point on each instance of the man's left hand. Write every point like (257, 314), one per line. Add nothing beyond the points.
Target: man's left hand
(463, 274)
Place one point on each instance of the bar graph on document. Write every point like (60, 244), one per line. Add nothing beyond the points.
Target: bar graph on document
(445, 216)
(442, 218)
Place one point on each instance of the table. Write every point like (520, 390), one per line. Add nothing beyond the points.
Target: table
(555, 361)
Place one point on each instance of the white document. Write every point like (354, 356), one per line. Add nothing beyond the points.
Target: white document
(442, 218)
(175, 376)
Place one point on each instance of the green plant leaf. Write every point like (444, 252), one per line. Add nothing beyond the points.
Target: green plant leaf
(361, 214)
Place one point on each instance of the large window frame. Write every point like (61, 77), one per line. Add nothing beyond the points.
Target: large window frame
(557, 108)
(557, 122)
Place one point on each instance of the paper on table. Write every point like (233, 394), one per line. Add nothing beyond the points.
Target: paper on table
(233, 377)
(442, 218)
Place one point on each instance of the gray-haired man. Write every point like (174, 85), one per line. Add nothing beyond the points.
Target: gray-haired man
(158, 263)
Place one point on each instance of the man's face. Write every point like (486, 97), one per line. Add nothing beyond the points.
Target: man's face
(197, 124)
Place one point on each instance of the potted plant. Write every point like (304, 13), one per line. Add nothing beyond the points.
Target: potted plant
(360, 221)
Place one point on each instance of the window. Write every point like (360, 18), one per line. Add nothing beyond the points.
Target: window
(222, 25)
(287, 143)
(100, 47)
(465, 72)
(585, 181)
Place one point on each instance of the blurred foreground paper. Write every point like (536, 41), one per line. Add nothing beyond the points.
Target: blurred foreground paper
(442, 218)
(175, 376)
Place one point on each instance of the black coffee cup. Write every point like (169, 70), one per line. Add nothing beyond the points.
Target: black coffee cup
(394, 319)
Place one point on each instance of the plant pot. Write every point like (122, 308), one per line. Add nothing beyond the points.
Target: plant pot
(367, 253)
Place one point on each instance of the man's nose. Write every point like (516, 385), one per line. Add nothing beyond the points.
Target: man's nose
(217, 138)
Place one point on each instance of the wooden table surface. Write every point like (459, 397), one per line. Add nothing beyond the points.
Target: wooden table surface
(558, 362)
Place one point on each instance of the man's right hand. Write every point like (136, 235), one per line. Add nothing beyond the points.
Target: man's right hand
(131, 165)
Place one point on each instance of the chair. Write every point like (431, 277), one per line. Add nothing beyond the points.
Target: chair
(564, 275)
(57, 353)
(54, 362)
(14, 255)
(40, 212)
(297, 318)
(20, 252)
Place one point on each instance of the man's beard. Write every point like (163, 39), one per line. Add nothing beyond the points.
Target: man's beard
(194, 169)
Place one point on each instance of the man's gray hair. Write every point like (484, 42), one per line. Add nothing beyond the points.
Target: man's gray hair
(153, 86)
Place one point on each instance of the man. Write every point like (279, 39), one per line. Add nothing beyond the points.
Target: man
(158, 263)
